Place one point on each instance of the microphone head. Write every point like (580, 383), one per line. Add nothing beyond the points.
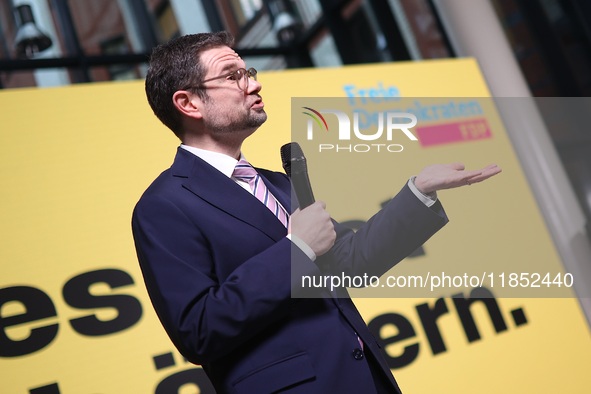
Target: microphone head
(293, 155)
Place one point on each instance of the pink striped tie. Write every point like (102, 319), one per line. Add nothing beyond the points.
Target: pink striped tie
(245, 172)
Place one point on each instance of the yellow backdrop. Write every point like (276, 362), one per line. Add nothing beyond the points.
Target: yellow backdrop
(75, 317)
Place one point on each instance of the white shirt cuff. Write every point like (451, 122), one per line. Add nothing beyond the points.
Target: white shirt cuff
(303, 246)
(427, 199)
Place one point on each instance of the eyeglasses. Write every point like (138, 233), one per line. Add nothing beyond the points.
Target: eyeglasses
(241, 76)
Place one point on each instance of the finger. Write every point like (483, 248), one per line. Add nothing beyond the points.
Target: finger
(466, 175)
(494, 170)
(485, 174)
(457, 166)
(491, 170)
(490, 167)
(482, 174)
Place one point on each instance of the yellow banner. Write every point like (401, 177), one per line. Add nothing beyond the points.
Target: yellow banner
(74, 314)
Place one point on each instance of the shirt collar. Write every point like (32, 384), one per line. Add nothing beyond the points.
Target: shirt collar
(220, 161)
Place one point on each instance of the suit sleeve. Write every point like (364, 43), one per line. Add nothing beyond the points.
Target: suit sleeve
(392, 234)
(206, 317)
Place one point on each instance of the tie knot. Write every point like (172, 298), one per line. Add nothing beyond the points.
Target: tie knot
(244, 171)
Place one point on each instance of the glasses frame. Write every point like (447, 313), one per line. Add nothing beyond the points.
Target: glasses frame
(247, 75)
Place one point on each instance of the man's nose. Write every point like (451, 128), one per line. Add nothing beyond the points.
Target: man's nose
(254, 86)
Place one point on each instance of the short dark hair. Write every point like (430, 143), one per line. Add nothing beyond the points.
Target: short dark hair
(176, 65)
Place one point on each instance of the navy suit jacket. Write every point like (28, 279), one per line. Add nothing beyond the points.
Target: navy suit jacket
(218, 269)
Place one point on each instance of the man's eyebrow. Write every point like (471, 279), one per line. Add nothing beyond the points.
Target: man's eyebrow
(230, 67)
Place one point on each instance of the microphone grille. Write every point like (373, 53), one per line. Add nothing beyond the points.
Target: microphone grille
(289, 152)
(285, 153)
(286, 158)
(293, 155)
(296, 150)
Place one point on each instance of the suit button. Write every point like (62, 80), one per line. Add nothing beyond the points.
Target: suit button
(358, 354)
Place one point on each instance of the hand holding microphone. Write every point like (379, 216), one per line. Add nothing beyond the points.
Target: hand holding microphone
(311, 222)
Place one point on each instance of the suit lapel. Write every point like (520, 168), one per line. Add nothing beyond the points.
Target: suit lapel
(207, 183)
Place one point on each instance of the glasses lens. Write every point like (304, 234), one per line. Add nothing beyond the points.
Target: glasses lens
(241, 78)
(252, 73)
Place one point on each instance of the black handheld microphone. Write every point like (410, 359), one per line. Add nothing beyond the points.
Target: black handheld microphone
(294, 164)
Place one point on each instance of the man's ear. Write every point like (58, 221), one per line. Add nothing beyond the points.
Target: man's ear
(189, 104)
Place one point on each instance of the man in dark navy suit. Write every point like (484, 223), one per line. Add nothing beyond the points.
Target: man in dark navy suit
(219, 247)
